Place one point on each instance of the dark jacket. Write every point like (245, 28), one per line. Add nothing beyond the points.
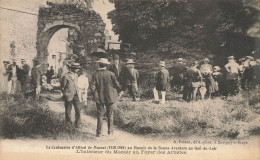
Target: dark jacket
(115, 70)
(10, 73)
(36, 75)
(162, 80)
(127, 77)
(69, 86)
(24, 73)
(192, 76)
(177, 71)
(105, 87)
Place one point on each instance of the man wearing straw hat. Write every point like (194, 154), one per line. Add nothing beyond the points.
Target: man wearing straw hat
(178, 70)
(162, 82)
(116, 68)
(232, 76)
(105, 88)
(12, 71)
(70, 90)
(24, 75)
(128, 78)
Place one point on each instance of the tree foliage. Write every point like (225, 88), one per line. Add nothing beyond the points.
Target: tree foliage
(185, 26)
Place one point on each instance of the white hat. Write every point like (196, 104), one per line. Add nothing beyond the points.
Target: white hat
(162, 63)
(130, 61)
(180, 59)
(231, 57)
(206, 59)
(249, 57)
(103, 61)
(252, 63)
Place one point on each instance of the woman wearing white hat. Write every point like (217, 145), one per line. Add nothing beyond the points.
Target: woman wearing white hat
(162, 82)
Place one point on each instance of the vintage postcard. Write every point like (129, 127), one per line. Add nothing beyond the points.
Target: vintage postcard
(130, 79)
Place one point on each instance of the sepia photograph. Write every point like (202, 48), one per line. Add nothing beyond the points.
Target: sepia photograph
(130, 79)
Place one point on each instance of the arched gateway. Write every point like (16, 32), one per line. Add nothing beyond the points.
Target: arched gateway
(51, 19)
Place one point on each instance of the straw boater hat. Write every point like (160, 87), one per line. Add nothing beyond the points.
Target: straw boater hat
(14, 60)
(75, 65)
(231, 57)
(130, 61)
(180, 60)
(206, 60)
(22, 60)
(242, 59)
(252, 63)
(103, 61)
(162, 63)
(249, 57)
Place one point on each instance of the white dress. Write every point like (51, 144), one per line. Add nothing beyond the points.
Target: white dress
(83, 85)
(3, 80)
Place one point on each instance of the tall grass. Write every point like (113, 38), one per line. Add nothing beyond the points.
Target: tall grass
(233, 117)
(21, 117)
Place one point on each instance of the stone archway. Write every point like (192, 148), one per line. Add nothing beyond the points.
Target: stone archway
(51, 19)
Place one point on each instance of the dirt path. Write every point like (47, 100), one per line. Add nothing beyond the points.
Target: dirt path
(89, 123)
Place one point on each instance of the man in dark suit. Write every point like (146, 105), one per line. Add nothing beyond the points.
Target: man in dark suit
(104, 87)
(128, 78)
(36, 80)
(162, 82)
(116, 68)
(177, 71)
(70, 90)
(24, 75)
(12, 71)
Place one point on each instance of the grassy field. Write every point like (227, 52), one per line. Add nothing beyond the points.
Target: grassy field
(21, 117)
(232, 117)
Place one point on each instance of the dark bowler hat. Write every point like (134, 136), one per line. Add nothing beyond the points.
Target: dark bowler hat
(37, 62)
(7, 62)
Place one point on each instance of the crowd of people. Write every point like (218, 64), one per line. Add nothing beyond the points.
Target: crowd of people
(200, 81)
(110, 81)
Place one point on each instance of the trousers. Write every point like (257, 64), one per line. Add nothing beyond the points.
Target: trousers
(109, 110)
(12, 85)
(156, 96)
(77, 106)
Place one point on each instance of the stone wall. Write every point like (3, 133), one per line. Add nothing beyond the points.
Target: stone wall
(88, 23)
